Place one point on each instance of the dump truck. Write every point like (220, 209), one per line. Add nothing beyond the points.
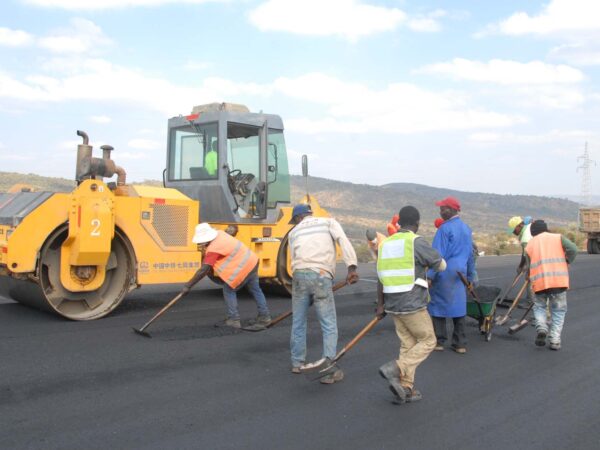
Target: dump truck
(79, 253)
(589, 223)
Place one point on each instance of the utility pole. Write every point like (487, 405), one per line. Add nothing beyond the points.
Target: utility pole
(586, 176)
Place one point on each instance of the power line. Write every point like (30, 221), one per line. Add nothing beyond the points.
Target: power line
(586, 176)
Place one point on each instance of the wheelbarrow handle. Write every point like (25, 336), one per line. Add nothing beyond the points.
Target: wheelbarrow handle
(469, 287)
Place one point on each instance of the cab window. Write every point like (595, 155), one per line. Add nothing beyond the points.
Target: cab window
(193, 153)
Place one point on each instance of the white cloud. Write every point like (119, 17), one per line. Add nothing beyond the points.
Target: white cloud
(69, 145)
(100, 80)
(584, 53)
(82, 36)
(107, 4)
(558, 16)
(505, 72)
(100, 119)
(349, 19)
(349, 107)
(131, 155)
(400, 108)
(15, 38)
(427, 23)
(145, 144)
(197, 65)
(553, 136)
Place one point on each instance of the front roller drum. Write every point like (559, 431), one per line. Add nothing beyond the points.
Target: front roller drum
(49, 294)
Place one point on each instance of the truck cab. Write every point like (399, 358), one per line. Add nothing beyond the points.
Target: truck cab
(231, 160)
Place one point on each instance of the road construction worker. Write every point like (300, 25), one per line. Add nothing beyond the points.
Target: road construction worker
(402, 292)
(521, 228)
(211, 160)
(374, 240)
(453, 240)
(236, 265)
(313, 258)
(392, 226)
(548, 256)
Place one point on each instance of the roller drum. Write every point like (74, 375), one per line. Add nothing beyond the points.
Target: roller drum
(48, 294)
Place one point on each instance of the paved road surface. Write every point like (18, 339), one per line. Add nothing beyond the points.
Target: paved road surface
(97, 385)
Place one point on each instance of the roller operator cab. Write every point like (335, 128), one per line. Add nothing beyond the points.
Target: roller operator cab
(235, 163)
(231, 160)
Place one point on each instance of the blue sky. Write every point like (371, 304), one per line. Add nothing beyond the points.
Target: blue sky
(478, 96)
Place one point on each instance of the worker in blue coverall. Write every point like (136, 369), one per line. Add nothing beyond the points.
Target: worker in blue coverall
(453, 240)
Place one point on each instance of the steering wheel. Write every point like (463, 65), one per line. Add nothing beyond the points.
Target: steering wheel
(232, 177)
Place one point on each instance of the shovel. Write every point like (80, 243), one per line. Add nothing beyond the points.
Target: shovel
(498, 300)
(141, 331)
(319, 369)
(522, 323)
(503, 319)
(285, 315)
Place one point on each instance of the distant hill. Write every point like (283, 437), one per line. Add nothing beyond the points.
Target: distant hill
(361, 206)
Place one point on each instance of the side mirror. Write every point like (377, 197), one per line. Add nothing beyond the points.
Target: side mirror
(304, 166)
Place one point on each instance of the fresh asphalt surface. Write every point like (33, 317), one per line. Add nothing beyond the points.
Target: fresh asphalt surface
(98, 385)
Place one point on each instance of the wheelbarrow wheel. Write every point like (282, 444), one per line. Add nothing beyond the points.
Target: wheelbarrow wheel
(488, 328)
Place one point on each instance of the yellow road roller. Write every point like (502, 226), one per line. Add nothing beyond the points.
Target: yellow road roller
(78, 254)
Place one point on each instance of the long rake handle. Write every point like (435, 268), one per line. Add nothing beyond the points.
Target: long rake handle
(162, 311)
(515, 302)
(502, 295)
(287, 314)
(357, 338)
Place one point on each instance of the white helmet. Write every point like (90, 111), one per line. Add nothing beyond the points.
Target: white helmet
(204, 233)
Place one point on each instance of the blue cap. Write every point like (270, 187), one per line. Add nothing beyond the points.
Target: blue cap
(301, 208)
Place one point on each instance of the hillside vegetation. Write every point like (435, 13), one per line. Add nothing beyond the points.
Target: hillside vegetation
(362, 206)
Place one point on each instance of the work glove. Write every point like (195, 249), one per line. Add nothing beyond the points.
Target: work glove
(352, 276)
(380, 311)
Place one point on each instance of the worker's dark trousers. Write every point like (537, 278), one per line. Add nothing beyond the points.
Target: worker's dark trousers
(459, 337)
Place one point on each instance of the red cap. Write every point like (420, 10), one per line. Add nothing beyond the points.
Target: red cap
(438, 222)
(450, 202)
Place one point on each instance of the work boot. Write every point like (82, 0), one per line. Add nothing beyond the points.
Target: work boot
(412, 395)
(334, 377)
(459, 350)
(438, 348)
(554, 345)
(263, 319)
(391, 372)
(540, 338)
(233, 323)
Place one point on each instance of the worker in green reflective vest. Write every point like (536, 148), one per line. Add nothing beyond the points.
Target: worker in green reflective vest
(402, 292)
(210, 160)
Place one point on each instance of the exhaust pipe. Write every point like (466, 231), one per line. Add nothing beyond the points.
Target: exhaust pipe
(84, 157)
(89, 167)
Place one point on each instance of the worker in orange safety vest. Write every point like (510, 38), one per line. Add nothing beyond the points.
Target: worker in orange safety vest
(548, 255)
(236, 265)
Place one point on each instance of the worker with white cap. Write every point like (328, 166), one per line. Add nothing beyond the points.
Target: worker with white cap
(236, 265)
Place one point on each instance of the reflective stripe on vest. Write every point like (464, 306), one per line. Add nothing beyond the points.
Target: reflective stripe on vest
(548, 265)
(396, 262)
(238, 260)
